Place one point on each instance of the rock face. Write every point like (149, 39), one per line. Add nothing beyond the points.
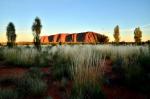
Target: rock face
(86, 37)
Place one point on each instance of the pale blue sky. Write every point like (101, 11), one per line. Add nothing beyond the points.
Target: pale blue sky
(76, 16)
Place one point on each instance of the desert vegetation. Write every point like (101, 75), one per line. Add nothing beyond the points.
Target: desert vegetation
(83, 67)
(36, 29)
(116, 34)
(137, 35)
(11, 35)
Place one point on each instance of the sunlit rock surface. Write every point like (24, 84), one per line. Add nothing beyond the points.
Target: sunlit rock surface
(86, 37)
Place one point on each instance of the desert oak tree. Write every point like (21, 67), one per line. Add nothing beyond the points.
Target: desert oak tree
(36, 29)
(11, 35)
(137, 35)
(117, 34)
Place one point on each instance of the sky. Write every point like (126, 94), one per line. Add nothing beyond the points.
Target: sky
(74, 16)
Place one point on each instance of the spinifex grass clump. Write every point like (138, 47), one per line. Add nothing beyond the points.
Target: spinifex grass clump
(8, 94)
(32, 84)
(1, 54)
(87, 83)
(31, 87)
(20, 56)
(87, 91)
(86, 70)
(7, 88)
(25, 57)
(133, 69)
(143, 76)
(61, 66)
(35, 72)
(137, 74)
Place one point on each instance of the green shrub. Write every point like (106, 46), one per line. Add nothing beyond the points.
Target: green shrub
(137, 72)
(23, 87)
(117, 66)
(44, 59)
(118, 70)
(8, 94)
(25, 57)
(48, 97)
(133, 75)
(144, 61)
(35, 72)
(61, 67)
(30, 86)
(1, 54)
(87, 91)
(149, 48)
(37, 87)
(31, 83)
(137, 79)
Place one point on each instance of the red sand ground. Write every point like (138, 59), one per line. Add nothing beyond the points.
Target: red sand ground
(120, 92)
(113, 92)
(12, 71)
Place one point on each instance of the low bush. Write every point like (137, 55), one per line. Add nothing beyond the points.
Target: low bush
(118, 66)
(61, 67)
(87, 91)
(8, 94)
(134, 71)
(1, 54)
(133, 75)
(144, 61)
(48, 97)
(35, 72)
(32, 84)
(25, 57)
(144, 77)
(136, 78)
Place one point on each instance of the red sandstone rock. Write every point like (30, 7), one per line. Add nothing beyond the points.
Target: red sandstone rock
(86, 37)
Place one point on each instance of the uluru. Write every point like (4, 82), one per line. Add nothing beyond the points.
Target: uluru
(85, 37)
